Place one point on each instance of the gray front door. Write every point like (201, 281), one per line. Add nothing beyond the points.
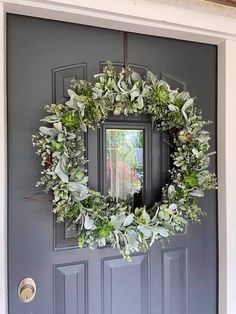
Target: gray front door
(43, 56)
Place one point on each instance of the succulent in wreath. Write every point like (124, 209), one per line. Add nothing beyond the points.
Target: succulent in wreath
(70, 120)
(100, 218)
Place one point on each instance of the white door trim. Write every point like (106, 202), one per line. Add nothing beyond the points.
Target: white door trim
(193, 20)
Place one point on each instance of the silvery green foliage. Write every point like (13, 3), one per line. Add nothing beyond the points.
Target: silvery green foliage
(99, 218)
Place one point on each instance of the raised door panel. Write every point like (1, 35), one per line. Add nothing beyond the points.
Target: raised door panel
(175, 281)
(71, 289)
(62, 77)
(125, 286)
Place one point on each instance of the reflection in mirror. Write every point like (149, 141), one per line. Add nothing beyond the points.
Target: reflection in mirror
(124, 164)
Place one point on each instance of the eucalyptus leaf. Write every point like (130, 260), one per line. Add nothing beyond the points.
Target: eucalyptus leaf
(195, 152)
(135, 76)
(97, 91)
(71, 136)
(83, 126)
(162, 231)
(71, 103)
(77, 187)
(186, 105)
(60, 137)
(132, 240)
(173, 206)
(61, 174)
(51, 119)
(145, 216)
(118, 220)
(197, 193)
(117, 111)
(140, 102)
(81, 108)
(56, 154)
(72, 94)
(101, 242)
(128, 220)
(80, 196)
(58, 126)
(124, 86)
(88, 223)
(49, 131)
(171, 190)
(147, 233)
(173, 108)
(134, 95)
(152, 78)
(100, 76)
(114, 86)
(184, 95)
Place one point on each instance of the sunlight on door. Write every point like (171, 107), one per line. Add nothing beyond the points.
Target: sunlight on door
(124, 164)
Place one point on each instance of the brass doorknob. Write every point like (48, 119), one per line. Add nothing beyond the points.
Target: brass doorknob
(26, 290)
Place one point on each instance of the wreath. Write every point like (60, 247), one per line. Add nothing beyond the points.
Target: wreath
(101, 218)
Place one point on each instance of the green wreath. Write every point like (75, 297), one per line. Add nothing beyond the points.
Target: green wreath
(101, 218)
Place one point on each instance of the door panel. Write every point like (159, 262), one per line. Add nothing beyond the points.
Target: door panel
(125, 287)
(65, 237)
(43, 57)
(62, 77)
(174, 281)
(71, 290)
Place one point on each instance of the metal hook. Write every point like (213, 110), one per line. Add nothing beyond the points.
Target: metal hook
(125, 50)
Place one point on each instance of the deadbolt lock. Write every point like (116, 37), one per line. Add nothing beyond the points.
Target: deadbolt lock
(26, 290)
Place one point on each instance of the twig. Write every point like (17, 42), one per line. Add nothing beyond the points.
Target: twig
(31, 197)
(168, 143)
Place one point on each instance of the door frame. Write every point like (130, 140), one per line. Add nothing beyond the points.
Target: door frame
(192, 20)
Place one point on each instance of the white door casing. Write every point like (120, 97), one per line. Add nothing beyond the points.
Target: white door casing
(188, 20)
